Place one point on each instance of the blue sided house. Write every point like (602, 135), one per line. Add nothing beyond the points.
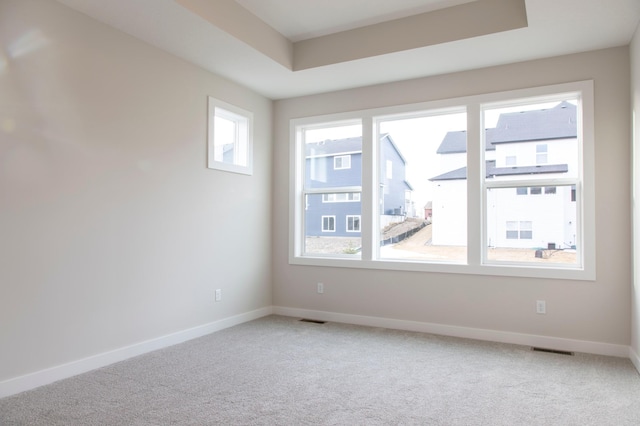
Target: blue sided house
(334, 174)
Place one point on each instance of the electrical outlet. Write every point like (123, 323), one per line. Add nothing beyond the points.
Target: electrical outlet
(320, 288)
(218, 295)
(541, 307)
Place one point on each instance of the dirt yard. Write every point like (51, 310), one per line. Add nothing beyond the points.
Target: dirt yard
(419, 247)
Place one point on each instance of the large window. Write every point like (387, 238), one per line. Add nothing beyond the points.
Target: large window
(497, 184)
(332, 163)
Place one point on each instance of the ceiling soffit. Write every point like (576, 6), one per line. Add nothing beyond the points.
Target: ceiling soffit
(475, 19)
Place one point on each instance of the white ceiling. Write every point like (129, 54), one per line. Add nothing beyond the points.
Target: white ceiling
(555, 27)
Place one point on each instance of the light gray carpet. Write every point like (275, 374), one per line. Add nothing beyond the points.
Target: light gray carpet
(280, 371)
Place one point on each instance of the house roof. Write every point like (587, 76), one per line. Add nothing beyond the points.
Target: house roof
(456, 142)
(353, 145)
(334, 147)
(492, 171)
(558, 122)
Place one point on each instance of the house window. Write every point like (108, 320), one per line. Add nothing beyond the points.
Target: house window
(344, 197)
(541, 154)
(526, 230)
(510, 160)
(342, 162)
(451, 155)
(517, 230)
(536, 190)
(353, 223)
(230, 142)
(328, 223)
(512, 230)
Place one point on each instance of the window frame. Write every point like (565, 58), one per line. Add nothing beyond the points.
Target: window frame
(243, 138)
(476, 187)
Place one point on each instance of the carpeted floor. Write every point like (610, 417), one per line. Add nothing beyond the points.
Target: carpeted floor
(280, 371)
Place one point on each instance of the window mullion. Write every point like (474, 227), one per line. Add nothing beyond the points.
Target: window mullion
(475, 191)
(369, 222)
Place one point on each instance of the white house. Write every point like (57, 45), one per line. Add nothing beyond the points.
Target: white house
(524, 145)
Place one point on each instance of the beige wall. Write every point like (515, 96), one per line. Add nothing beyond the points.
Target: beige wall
(635, 110)
(112, 229)
(593, 311)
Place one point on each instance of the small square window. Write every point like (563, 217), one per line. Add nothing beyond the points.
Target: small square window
(353, 223)
(328, 223)
(342, 162)
(536, 190)
(510, 160)
(541, 154)
(526, 230)
(230, 144)
(550, 190)
(522, 190)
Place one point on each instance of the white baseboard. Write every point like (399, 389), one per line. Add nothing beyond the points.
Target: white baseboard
(635, 359)
(546, 342)
(50, 375)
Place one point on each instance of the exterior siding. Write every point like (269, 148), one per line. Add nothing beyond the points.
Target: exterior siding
(320, 173)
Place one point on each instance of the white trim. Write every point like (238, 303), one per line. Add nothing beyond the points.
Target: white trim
(635, 359)
(476, 262)
(243, 141)
(547, 342)
(73, 368)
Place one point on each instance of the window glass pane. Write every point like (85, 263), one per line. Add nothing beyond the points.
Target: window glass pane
(540, 225)
(531, 228)
(333, 156)
(516, 131)
(422, 189)
(333, 160)
(225, 132)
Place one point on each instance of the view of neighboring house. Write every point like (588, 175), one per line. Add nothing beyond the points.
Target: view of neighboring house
(338, 164)
(523, 146)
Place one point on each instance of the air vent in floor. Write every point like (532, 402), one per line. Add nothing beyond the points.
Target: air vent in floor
(552, 351)
(313, 321)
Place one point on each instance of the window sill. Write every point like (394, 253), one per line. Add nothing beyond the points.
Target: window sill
(508, 270)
